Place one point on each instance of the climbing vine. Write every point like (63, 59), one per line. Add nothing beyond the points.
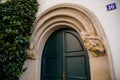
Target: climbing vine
(16, 22)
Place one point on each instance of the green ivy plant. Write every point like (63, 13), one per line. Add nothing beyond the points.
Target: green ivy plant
(16, 20)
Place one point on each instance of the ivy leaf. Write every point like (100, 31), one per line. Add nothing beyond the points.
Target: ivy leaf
(6, 17)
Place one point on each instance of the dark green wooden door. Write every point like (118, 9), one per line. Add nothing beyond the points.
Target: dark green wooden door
(64, 57)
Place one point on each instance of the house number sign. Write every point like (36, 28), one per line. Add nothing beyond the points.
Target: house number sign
(111, 6)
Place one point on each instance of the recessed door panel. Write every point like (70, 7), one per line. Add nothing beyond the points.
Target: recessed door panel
(77, 70)
(51, 65)
(50, 59)
(72, 42)
(52, 45)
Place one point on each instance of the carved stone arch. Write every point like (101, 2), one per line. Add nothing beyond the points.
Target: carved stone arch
(86, 24)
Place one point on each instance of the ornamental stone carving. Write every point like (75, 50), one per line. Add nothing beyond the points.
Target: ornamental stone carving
(31, 52)
(93, 43)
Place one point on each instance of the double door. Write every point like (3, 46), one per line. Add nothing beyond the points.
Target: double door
(64, 57)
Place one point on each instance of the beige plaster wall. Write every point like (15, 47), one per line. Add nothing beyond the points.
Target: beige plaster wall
(100, 67)
(31, 72)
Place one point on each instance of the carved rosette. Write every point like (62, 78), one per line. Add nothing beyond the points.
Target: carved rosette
(31, 52)
(93, 43)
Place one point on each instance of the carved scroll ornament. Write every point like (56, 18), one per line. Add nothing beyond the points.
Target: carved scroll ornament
(93, 43)
(31, 52)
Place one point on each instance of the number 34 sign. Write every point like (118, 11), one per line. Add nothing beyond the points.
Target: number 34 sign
(111, 6)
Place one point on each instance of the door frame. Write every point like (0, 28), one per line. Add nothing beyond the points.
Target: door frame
(76, 17)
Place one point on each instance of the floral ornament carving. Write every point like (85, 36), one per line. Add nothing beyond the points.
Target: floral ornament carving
(93, 43)
(31, 52)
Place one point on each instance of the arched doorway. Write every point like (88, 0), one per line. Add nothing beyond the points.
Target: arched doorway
(78, 18)
(65, 57)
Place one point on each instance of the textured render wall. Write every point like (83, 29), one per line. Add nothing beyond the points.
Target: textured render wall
(111, 25)
(110, 20)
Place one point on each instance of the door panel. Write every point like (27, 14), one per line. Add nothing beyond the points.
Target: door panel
(65, 57)
(50, 59)
(77, 70)
(71, 42)
(75, 56)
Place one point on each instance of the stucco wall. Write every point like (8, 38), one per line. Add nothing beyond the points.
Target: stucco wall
(110, 20)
